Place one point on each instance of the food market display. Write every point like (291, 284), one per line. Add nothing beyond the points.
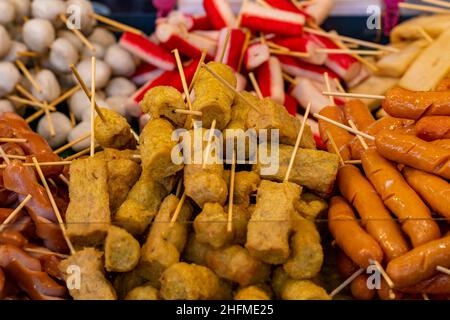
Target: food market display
(245, 155)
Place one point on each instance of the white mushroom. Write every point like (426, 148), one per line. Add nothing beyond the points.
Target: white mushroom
(74, 40)
(84, 9)
(78, 102)
(5, 42)
(103, 72)
(15, 48)
(78, 131)
(48, 9)
(103, 37)
(22, 8)
(6, 106)
(38, 34)
(120, 87)
(99, 52)
(86, 115)
(7, 12)
(49, 85)
(62, 55)
(62, 126)
(120, 60)
(119, 105)
(9, 78)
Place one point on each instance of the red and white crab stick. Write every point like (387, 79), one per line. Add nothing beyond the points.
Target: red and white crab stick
(231, 55)
(255, 55)
(220, 13)
(270, 79)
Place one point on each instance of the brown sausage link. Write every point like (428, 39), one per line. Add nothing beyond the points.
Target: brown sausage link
(439, 284)
(357, 111)
(12, 237)
(402, 103)
(442, 143)
(433, 128)
(375, 217)
(360, 290)
(444, 85)
(49, 261)
(26, 271)
(400, 198)
(345, 266)
(414, 152)
(345, 229)
(386, 293)
(420, 263)
(22, 180)
(2, 284)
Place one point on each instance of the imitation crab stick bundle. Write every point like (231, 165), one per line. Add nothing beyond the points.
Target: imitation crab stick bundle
(148, 51)
(302, 44)
(344, 65)
(270, 79)
(189, 22)
(270, 20)
(144, 73)
(286, 5)
(319, 10)
(307, 91)
(191, 45)
(219, 13)
(298, 68)
(233, 52)
(255, 55)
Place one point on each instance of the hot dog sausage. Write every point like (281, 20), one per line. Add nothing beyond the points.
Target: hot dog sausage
(345, 229)
(439, 284)
(442, 143)
(12, 237)
(340, 136)
(2, 283)
(402, 103)
(358, 112)
(344, 264)
(360, 290)
(375, 217)
(420, 263)
(386, 293)
(444, 85)
(433, 127)
(414, 152)
(433, 189)
(398, 196)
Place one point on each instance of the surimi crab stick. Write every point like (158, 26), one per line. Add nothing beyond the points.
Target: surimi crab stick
(319, 10)
(233, 52)
(291, 104)
(271, 20)
(191, 23)
(255, 55)
(298, 68)
(191, 45)
(148, 51)
(219, 13)
(270, 79)
(306, 91)
(286, 5)
(302, 44)
(144, 73)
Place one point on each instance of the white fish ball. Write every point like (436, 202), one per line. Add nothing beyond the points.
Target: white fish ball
(62, 55)
(103, 37)
(49, 85)
(62, 126)
(48, 9)
(120, 60)
(6, 106)
(7, 12)
(78, 131)
(120, 87)
(38, 34)
(9, 78)
(5, 42)
(103, 72)
(78, 102)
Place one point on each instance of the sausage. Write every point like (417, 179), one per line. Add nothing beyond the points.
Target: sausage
(344, 264)
(420, 263)
(414, 152)
(376, 219)
(360, 290)
(357, 111)
(400, 198)
(442, 143)
(12, 237)
(28, 274)
(433, 189)
(403, 103)
(433, 127)
(386, 293)
(340, 136)
(444, 85)
(439, 284)
(2, 283)
(345, 229)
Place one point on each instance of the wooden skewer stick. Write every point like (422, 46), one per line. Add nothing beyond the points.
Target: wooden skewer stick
(189, 112)
(63, 179)
(353, 161)
(225, 45)
(420, 7)
(230, 87)
(328, 85)
(425, 296)
(93, 74)
(48, 252)
(231, 194)
(79, 154)
(12, 140)
(16, 211)
(31, 103)
(289, 79)
(383, 273)
(296, 54)
(346, 282)
(86, 90)
(183, 78)
(179, 187)
(28, 75)
(27, 94)
(441, 3)
(339, 85)
(43, 164)
(29, 54)
(255, 85)
(55, 207)
(343, 126)
(178, 210)
(4, 156)
(73, 121)
(66, 95)
(244, 49)
(277, 46)
(51, 127)
(71, 144)
(361, 139)
(350, 51)
(13, 156)
(208, 146)
(425, 34)
(297, 142)
(443, 270)
(363, 43)
(354, 95)
(335, 147)
(121, 26)
(194, 78)
(77, 33)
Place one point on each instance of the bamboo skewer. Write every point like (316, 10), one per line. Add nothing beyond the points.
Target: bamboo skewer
(93, 74)
(328, 85)
(353, 161)
(189, 112)
(297, 142)
(383, 273)
(354, 95)
(27, 94)
(28, 75)
(183, 78)
(31, 103)
(231, 194)
(42, 164)
(424, 8)
(16, 211)
(121, 26)
(346, 282)
(47, 252)
(255, 85)
(441, 3)
(78, 154)
(77, 33)
(4, 156)
(202, 60)
(63, 179)
(225, 45)
(425, 34)
(28, 54)
(49, 120)
(66, 95)
(71, 144)
(339, 85)
(244, 49)
(12, 156)
(12, 140)
(208, 146)
(178, 210)
(343, 126)
(350, 51)
(335, 147)
(289, 79)
(443, 270)
(361, 139)
(55, 207)
(296, 54)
